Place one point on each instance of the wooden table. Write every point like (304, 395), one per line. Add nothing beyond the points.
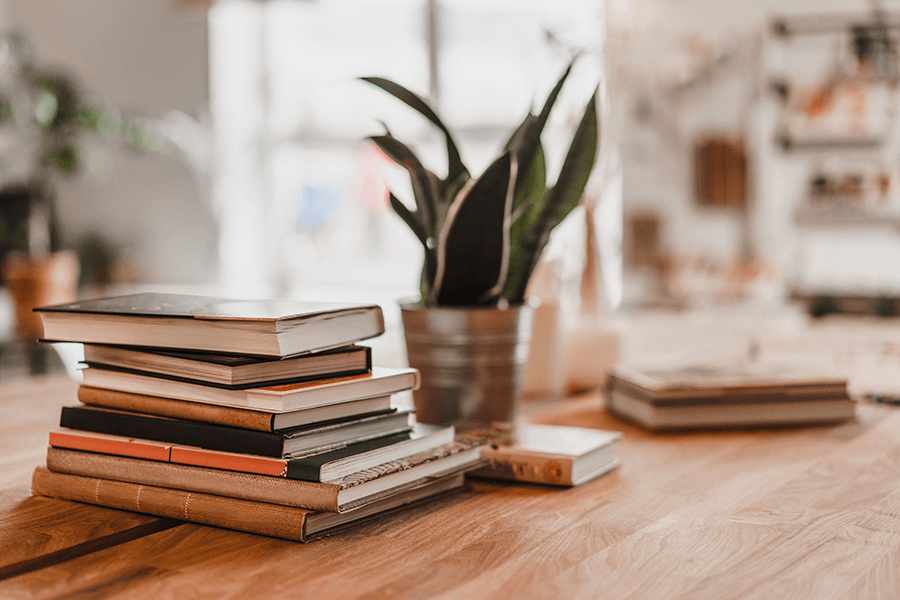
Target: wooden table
(793, 513)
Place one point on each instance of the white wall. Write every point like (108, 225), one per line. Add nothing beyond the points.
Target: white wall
(148, 56)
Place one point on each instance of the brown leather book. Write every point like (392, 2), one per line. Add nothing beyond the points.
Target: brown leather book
(286, 522)
(351, 492)
(245, 418)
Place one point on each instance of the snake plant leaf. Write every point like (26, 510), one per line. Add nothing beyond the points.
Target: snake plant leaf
(561, 199)
(411, 218)
(527, 205)
(473, 246)
(455, 165)
(525, 139)
(531, 186)
(577, 167)
(423, 188)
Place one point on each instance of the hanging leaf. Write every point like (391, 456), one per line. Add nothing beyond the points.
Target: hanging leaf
(423, 189)
(455, 165)
(473, 246)
(411, 218)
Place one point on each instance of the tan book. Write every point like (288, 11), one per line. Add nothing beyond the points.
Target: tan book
(248, 327)
(715, 383)
(550, 454)
(273, 520)
(655, 417)
(351, 492)
(244, 418)
(228, 370)
(726, 396)
(289, 397)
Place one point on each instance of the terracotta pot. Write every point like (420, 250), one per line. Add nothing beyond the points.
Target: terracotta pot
(472, 361)
(33, 282)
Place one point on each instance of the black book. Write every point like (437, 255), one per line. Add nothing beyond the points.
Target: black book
(282, 444)
(231, 371)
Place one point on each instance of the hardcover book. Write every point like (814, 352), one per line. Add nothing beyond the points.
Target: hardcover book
(256, 327)
(326, 466)
(345, 494)
(262, 518)
(289, 442)
(232, 371)
(713, 396)
(246, 418)
(549, 454)
(275, 398)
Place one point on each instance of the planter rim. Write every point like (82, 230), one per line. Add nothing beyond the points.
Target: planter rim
(413, 304)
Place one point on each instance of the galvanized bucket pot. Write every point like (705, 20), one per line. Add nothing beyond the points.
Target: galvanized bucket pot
(472, 361)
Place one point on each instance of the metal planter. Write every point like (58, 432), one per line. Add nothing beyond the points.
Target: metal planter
(472, 361)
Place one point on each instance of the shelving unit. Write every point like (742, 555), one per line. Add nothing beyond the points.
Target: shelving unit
(838, 129)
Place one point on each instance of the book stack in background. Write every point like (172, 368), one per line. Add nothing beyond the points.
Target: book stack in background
(257, 416)
(726, 395)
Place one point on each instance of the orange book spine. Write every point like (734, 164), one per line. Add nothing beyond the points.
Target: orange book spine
(104, 444)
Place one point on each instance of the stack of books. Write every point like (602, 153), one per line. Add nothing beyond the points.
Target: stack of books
(257, 416)
(726, 395)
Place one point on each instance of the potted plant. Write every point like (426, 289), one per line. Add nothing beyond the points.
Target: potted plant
(483, 236)
(43, 121)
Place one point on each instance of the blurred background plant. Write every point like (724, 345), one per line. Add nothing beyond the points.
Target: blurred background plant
(44, 118)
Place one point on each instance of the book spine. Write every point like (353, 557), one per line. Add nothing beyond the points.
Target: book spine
(177, 409)
(529, 469)
(205, 509)
(246, 486)
(190, 433)
(162, 451)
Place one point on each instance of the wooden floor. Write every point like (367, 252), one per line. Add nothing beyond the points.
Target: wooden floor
(793, 513)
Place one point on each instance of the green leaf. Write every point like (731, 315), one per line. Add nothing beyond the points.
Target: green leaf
(531, 185)
(411, 218)
(577, 167)
(455, 165)
(525, 139)
(473, 246)
(528, 203)
(423, 189)
(560, 200)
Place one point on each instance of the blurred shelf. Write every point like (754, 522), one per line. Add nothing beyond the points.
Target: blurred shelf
(833, 215)
(825, 144)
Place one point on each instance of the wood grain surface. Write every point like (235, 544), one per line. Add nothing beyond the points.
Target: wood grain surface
(37, 532)
(803, 513)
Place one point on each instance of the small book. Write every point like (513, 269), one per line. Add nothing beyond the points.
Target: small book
(289, 442)
(248, 327)
(245, 418)
(232, 371)
(346, 494)
(287, 397)
(327, 466)
(288, 522)
(725, 395)
(549, 454)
